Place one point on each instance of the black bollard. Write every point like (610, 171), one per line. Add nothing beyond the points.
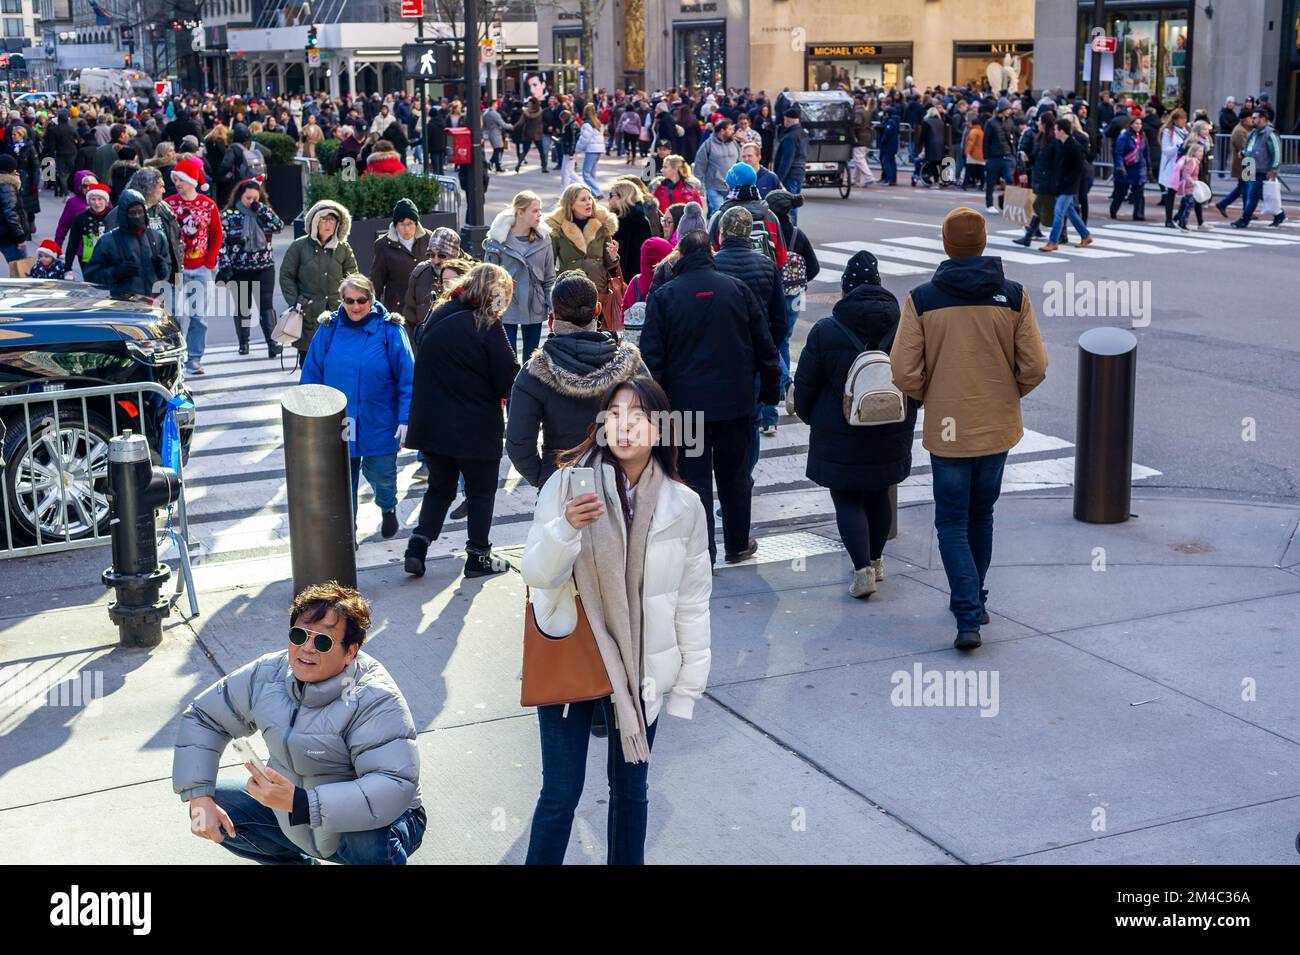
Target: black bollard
(1103, 454)
(318, 474)
(135, 490)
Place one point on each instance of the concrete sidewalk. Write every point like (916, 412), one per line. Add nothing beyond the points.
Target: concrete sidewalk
(1139, 706)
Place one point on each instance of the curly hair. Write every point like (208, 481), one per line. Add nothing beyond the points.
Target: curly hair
(314, 602)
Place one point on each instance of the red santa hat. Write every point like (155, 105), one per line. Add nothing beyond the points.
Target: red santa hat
(98, 187)
(191, 171)
(52, 247)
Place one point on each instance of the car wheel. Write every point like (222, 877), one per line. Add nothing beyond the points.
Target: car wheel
(57, 481)
(845, 182)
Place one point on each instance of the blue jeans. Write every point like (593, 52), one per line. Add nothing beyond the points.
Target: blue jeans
(1000, 167)
(888, 167)
(1065, 207)
(1238, 191)
(965, 490)
(794, 185)
(589, 161)
(11, 252)
(564, 769)
(769, 414)
(260, 838)
(196, 295)
(532, 338)
(381, 471)
(1254, 195)
(715, 199)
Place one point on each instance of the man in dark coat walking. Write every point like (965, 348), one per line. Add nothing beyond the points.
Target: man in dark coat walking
(705, 338)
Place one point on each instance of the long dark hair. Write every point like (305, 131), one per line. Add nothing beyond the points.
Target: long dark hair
(592, 452)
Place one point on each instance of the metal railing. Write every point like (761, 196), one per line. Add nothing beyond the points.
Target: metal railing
(450, 198)
(61, 468)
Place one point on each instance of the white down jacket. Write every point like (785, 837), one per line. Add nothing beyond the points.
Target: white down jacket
(675, 589)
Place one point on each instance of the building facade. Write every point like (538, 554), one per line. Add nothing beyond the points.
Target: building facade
(800, 44)
(1194, 53)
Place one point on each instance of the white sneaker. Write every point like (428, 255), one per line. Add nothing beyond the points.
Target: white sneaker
(768, 432)
(1205, 227)
(993, 209)
(879, 567)
(864, 583)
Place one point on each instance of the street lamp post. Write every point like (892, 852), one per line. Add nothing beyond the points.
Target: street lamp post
(475, 230)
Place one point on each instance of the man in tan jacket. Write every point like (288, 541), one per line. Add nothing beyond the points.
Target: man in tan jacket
(968, 347)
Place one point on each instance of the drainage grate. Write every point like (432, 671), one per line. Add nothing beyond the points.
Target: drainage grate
(781, 548)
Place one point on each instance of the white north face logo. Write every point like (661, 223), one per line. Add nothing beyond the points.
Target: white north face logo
(1000, 298)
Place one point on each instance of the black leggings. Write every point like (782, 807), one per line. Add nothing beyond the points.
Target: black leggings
(263, 281)
(480, 493)
(863, 518)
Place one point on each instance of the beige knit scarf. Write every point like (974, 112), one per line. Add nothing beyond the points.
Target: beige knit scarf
(609, 573)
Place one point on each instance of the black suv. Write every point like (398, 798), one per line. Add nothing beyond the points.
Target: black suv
(56, 336)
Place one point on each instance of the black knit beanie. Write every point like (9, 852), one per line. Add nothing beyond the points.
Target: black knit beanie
(861, 270)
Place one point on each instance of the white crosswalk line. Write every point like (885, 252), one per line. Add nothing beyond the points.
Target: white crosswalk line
(1090, 253)
(839, 258)
(1142, 248)
(1167, 237)
(1024, 258)
(237, 496)
(1221, 234)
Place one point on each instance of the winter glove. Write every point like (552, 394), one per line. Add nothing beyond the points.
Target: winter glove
(401, 435)
(126, 270)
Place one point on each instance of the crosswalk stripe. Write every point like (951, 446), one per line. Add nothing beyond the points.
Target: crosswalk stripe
(1090, 253)
(1166, 237)
(1222, 234)
(1023, 258)
(1144, 248)
(891, 268)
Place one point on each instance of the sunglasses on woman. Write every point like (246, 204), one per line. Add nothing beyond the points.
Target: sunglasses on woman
(323, 642)
(357, 301)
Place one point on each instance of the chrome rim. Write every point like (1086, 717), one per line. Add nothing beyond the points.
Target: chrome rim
(61, 485)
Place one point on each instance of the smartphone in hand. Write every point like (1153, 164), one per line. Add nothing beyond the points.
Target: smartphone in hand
(246, 752)
(582, 481)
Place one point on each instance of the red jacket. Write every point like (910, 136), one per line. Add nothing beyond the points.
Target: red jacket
(668, 194)
(383, 164)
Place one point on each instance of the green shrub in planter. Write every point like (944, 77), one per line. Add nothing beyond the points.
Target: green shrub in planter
(280, 148)
(325, 151)
(372, 197)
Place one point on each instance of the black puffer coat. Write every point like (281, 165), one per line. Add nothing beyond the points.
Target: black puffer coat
(759, 274)
(558, 394)
(842, 456)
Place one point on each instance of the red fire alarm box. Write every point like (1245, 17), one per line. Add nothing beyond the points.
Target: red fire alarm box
(460, 152)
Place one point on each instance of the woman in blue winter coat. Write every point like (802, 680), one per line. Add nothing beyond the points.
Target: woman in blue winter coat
(363, 351)
(1130, 171)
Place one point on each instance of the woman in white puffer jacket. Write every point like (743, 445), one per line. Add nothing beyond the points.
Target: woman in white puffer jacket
(637, 552)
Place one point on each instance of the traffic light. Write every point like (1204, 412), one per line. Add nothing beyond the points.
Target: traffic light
(311, 37)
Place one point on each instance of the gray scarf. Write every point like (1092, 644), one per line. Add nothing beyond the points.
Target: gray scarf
(609, 573)
(254, 237)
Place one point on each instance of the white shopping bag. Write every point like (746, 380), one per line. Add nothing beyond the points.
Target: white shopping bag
(1272, 203)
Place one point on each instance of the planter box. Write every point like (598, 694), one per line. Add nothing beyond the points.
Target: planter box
(284, 187)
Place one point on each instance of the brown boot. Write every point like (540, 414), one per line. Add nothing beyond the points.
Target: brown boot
(1084, 242)
(1050, 247)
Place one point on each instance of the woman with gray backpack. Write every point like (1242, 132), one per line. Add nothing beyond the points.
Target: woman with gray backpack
(861, 431)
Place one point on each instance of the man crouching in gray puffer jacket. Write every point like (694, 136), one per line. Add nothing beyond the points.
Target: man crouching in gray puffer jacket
(343, 779)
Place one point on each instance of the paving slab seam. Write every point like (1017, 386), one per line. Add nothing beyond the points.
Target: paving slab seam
(1175, 690)
(909, 655)
(818, 767)
(1149, 826)
(1286, 546)
(1169, 613)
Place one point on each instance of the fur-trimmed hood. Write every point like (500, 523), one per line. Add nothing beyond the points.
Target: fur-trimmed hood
(600, 218)
(584, 364)
(12, 179)
(499, 231)
(381, 154)
(329, 205)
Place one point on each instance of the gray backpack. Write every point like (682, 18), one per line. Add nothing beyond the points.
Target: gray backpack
(870, 395)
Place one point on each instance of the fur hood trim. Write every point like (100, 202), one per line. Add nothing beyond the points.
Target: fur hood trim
(600, 219)
(329, 205)
(499, 231)
(622, 367)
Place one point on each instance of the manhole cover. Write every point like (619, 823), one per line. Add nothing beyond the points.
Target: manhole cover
(1191, 547)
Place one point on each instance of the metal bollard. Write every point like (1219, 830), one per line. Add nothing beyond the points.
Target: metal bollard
(135, 490)
(322, 534)
(1103, 455)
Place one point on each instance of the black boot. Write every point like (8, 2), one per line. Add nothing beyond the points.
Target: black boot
(1030, 230)
(274, 349)
(417, 548)
(481, 563)
(243, 346)
(388, 528)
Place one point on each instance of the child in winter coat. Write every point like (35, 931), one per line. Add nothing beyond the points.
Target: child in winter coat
(48, 264)
(1187, 173)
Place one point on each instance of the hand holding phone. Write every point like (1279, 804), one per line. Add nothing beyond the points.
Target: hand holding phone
(584, 507)
(246, 752)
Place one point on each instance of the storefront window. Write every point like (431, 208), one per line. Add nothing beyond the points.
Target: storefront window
(568, 50)
(993, 67)
(700, 53)
(850, 66)
(1151, 53)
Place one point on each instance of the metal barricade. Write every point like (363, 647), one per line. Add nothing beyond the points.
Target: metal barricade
(1290, 160)
(62, 469)
(450, 198)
